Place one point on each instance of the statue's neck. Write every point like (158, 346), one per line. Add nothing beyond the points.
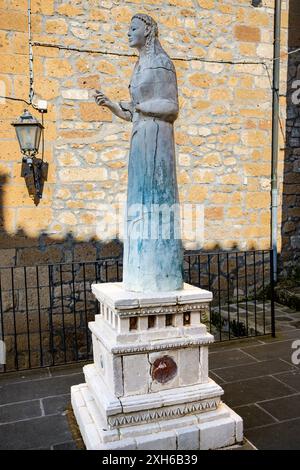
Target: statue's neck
(142, 53)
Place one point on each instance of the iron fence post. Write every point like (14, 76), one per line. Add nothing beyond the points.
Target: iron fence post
(272, 293)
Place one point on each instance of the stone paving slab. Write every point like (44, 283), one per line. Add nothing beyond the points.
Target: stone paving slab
(282, 349)
(61, 370)
(253, 415)
(243, 392)
(237, 344)
(247, 445)
(216, 378)
(278, 436)
(233, 357)
(70, 445)
(34, 389)
(54, 405)
(35, 433)
(257, 369)
(283, 409)
(20, 411)
(258, 377)
(264, 393)
(33, 408)
(24, 376)
(292, 379)
(293, 334)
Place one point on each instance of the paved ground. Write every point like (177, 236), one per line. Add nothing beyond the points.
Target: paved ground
(258, 377)
(33, 408)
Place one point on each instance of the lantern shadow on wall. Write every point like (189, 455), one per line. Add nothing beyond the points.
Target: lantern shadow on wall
(34, 170)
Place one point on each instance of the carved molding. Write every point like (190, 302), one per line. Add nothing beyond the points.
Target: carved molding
(163, 413)
(163, 310)
(138, 348)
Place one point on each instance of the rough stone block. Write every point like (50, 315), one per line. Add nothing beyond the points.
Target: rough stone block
(188, 439)
(188, 361)
(217, 435)
(136, 370)
(163, 441)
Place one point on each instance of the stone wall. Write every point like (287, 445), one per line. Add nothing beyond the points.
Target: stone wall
(290, 255)
(45, 310)
(223, 134)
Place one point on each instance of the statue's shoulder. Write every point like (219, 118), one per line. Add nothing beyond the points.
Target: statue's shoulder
(164, 61)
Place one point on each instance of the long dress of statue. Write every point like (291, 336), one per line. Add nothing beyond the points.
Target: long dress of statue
(153, 256)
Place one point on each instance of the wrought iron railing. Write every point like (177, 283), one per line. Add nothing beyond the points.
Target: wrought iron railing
(45, 309)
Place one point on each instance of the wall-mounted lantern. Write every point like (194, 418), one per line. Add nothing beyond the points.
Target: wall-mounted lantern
(28, 130)
(34, 170)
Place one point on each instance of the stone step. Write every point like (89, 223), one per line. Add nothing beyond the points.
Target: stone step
(151, 407)
(220, 428)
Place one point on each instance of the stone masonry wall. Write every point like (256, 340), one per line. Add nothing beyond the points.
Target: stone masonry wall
(223, 134)
(290, 255)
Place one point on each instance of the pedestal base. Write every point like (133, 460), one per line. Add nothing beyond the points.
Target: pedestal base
(207, 430)
(149, 387)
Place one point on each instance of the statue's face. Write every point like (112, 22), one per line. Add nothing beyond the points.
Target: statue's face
(137, 33)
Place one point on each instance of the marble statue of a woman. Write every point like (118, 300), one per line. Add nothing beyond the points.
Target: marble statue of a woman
(153, 255)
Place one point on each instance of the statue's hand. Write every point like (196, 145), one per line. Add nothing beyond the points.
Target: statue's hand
(102, 100)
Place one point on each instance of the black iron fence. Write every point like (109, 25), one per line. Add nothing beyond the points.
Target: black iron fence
(243, 291)
(45, 309)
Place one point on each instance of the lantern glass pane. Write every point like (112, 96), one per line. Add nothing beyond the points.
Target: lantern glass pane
(38, 132)
(26, 137)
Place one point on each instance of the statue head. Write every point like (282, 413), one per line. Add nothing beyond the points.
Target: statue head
(143, 32)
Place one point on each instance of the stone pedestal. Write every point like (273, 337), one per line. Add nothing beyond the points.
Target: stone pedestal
(148, 387)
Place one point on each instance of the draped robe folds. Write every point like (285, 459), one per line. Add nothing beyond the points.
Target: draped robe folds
(153, 254)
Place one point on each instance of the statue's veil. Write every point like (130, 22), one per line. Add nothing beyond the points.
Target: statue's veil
(153, 45)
